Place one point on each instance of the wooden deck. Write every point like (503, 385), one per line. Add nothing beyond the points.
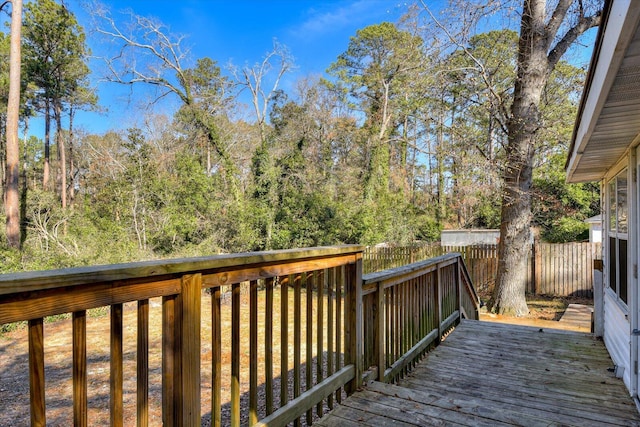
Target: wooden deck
(491, 374)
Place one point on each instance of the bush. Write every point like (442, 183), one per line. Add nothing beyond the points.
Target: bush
(566, 229)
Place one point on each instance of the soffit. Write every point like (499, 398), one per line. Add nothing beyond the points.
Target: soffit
(607, 129)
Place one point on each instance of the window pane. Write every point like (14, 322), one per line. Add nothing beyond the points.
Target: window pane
(622, 202)
(612, 264)
(612, 205)
(622, 268)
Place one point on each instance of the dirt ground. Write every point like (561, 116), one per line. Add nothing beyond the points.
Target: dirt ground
(14, 359)
(14, 383)
(544, 311)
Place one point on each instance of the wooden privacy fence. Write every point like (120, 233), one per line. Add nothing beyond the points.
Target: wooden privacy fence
(564, 269)
(559, 269)
(306, 331)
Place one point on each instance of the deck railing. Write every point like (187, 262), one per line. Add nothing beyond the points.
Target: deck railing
(409, 309)
(298, 314)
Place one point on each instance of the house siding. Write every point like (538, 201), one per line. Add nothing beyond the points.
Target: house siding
(616, 335)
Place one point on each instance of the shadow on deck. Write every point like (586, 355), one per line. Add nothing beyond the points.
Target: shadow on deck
(491, 374)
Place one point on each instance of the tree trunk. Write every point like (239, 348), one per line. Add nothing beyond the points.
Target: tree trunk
(62, 154)
(441, 211)
(72, 166)
(46, 170)
(514, 248)
(12, 197)
(25, 182)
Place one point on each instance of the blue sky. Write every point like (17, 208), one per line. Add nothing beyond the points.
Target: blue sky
(241, 31)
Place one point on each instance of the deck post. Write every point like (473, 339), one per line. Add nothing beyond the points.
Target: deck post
(598, 298)
(353, 323)
(380, 343)
(439, 303)
(459, 288)
(190, 349)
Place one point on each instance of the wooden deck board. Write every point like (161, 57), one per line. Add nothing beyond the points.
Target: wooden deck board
(496, 374)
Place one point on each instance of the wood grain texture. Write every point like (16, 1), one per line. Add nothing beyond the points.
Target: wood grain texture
(320, 287)
(253, 352)
(168, 360)
(216, 358)
(235, 355)
(296, 407)
(116, 360)
(284, 340)
(268, 345)
(142, 365)
(36, 373)
(490, 374)
(190, 351)
(297, 338)
(69, 277)
(79, 363)
(310, 280)
(180, 284)
(243, 273)
(31, 305)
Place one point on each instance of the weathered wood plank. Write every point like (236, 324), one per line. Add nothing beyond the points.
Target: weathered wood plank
(297, 338)
(253, 352)
(321, 285)
(168, 360)
(268, 345)
(69, 277)
(330, 329)
(540, 403)
(36, 373)
(116, 360)
(190, 351)
(399, 411)
(310, 280)
(216, 357)
(344, 416)
(235, 355)
(67, 300)
(142, 365)
(492, 374)
(284, 340)
(79, 331)
(298, 406)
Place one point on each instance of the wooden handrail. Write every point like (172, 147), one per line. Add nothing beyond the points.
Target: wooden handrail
(335, 321)
(316, 275)
(410, 308)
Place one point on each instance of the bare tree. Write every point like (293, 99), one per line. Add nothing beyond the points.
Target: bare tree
(540, 47)
(12, 196)
(545, 36)
(149, 54)
(254, 79)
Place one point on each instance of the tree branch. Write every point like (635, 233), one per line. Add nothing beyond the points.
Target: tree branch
(574, 32)
(3, 5)
(499, 102)
(555, 22)
(154, 42)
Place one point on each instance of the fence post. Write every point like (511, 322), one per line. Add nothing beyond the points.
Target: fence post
(353, 322)
(537, 266)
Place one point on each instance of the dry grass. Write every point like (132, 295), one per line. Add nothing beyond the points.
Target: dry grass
(14, 391)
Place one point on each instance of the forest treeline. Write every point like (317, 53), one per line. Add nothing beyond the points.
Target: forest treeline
(400, 138)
